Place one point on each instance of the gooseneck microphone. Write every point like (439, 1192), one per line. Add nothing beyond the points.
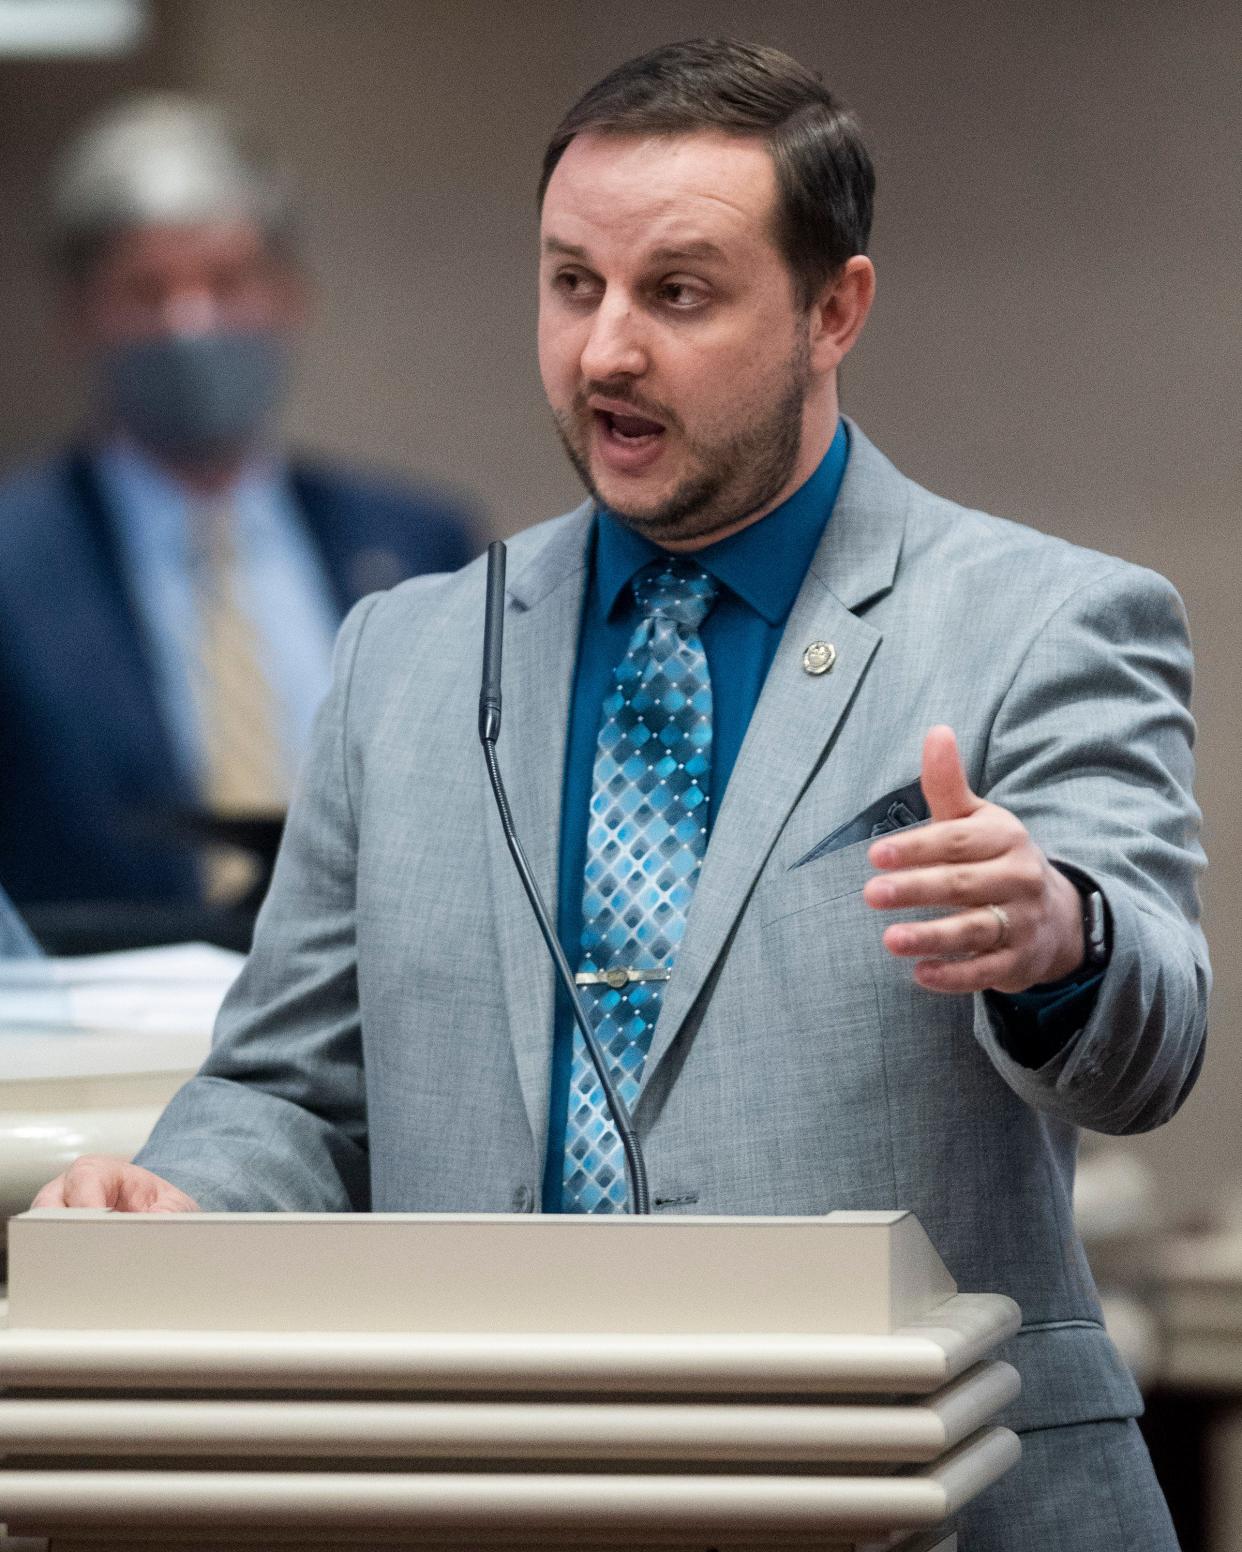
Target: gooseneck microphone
(489, 732)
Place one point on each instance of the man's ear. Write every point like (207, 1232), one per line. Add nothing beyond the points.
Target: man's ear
(838, 314)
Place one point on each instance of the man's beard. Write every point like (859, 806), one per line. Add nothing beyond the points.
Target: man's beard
(732, 475)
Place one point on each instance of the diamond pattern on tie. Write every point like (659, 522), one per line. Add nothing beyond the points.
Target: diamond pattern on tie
(646, 835)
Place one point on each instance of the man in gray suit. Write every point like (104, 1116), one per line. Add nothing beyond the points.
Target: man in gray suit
(915, 963)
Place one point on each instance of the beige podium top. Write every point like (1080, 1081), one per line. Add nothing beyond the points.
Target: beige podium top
(850, 1301)
(848, 1272)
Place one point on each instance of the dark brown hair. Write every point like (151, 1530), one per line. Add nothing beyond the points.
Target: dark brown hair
(824, 177)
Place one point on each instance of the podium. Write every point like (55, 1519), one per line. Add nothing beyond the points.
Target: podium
(211, 1381)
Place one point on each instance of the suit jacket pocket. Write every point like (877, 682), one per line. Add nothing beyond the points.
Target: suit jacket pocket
(894, 811)
(833, 875)
(838, 865)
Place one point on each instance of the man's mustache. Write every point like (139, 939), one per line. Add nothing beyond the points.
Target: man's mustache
(621, 391)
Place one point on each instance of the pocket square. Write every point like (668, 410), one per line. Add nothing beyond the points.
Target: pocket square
(894, 811)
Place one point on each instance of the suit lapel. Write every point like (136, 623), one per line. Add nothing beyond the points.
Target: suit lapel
(544, 603)
(335, 542)
(796, 720)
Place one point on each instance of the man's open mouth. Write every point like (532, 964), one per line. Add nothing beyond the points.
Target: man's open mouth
(632, 429)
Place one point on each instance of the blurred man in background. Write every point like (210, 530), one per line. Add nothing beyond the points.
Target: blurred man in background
(170, 588)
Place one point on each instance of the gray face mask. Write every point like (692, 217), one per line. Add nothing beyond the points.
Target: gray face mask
(196, 395)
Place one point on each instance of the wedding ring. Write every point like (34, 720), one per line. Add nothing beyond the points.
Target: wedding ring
(1002, 928)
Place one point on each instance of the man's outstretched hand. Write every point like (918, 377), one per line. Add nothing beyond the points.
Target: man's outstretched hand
(96, 1181)
(972, 856)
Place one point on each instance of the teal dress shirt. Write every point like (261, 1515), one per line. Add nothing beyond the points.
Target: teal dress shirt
(760, 571)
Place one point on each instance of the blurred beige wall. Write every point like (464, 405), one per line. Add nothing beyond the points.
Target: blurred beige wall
(40, 103)
(1057, 336)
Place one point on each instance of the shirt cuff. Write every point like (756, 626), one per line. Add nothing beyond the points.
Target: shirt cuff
(1033, 1026)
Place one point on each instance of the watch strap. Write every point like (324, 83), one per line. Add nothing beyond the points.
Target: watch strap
(1096, 918)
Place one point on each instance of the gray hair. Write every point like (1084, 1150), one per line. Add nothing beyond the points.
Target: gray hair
(161, 157)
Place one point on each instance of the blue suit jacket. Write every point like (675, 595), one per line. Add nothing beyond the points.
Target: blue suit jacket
(86, 759)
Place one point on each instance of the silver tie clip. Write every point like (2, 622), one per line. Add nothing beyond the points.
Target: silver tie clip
(618, 977)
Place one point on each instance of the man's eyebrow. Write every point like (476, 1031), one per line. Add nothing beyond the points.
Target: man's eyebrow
(667, 253)
(570, 250)
(700, 248)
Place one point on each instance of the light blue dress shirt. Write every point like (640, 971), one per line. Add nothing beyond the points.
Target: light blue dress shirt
(285, 591)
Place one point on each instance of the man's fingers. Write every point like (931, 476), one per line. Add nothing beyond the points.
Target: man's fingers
(1006, 918)
(52, 1194)
(969, 932)
(92, 1182)
(96, 1181)
(943, 780)
(983, 973)
(170, 1200)
(987, 833)
(995, 882)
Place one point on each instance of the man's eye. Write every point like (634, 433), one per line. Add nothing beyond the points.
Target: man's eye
(573, 283)
(681, 294)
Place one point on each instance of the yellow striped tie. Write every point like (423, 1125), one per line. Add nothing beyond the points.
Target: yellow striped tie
(239, 714)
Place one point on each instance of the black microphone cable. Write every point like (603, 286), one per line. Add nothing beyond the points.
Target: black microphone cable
(489, 731)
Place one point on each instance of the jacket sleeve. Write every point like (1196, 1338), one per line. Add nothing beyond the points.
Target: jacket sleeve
(276, 1117)
(1091, 748)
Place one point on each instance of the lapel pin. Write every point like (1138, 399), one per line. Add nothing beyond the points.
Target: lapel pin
(819, 657)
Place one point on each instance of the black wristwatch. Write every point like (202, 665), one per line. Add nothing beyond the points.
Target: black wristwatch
(1096, 923)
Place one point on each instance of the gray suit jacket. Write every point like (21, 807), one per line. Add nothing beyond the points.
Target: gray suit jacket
(389, 1041)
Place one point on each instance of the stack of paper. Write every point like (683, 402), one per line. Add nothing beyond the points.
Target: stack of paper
(154, 991)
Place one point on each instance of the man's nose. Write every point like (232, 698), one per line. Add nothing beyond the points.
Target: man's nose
(615, 346)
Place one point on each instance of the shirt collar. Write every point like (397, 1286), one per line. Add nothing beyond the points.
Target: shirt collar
(126, 466)
(764, 565)
(155, 510)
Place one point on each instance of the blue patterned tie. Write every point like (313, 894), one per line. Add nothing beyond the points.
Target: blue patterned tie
(646, 836)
